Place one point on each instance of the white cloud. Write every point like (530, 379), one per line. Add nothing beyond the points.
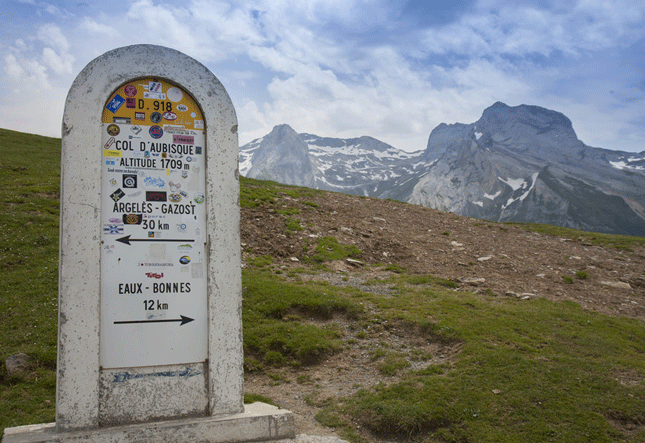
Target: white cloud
(94, 28)
(26, 75)
(12, 68)
(51, 35)
(60, 64)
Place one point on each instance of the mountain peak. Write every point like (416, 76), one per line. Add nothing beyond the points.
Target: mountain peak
(500, 114)
(282, 156)
(282, 130)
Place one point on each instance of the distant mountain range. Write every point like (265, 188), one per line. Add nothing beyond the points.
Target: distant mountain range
(520, 164)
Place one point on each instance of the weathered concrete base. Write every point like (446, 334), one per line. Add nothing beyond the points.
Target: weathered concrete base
(258, 422)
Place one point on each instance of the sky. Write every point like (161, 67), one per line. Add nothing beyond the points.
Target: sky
(390, 69)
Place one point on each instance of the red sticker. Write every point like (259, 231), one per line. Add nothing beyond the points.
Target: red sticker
(130, 91)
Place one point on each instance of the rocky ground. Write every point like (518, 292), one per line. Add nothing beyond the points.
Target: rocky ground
(485, 257)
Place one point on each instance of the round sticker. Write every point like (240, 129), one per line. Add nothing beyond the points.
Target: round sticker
(174, 198)
(184, 260)
(113, 130)
(155, 117)
(130, 90)
(174, 94)
(199, 198)
(155, 131)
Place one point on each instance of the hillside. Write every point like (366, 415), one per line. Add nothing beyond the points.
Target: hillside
(500, 262)
(377, 320)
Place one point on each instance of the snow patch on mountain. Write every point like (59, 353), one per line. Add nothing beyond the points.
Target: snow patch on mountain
(516, 185)
(622, 164)
(493, 196)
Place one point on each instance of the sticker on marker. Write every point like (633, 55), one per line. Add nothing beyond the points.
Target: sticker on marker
(115, 104)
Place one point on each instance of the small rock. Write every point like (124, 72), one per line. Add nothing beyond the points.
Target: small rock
(496, 391)
(510, 294)
(353, 262)
(616, 284)
(484, 258)
(16, 363)
(456, 244)
(294, 259)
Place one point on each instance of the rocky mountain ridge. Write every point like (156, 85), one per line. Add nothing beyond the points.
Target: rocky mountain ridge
(522, 164)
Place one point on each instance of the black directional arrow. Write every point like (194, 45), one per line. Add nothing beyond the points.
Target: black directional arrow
(127, 239)
(183, 321)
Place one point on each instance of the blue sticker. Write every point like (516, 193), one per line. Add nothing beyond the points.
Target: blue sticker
(112, 229)
(110, 162)
(115, 104)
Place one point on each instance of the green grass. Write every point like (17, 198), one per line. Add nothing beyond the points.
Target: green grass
(293, 225)
(538, 371)
(430, 280)
(288, 211)
(625, 242)
(328, 249)
(257, 193)
(272, 315)
(29, 208)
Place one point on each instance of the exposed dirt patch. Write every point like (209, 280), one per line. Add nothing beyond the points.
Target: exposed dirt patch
(484, 257)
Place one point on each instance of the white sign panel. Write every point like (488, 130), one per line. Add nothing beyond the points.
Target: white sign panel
(153, 257)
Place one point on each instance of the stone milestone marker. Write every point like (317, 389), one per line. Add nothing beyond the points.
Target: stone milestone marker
(150, 331)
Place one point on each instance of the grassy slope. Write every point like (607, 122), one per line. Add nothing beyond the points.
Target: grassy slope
(535, 371)
(29, 201)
